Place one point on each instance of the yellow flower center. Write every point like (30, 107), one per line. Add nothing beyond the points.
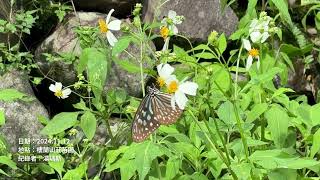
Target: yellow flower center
(58, 93)
(160, 81)
(103, 26)
(254, 52)
(164, 32)
(173, 87)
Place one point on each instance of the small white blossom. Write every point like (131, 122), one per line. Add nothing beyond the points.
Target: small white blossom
(165, 73)
(58, 91)
(180, 90)
(252, 53)
(106, 27)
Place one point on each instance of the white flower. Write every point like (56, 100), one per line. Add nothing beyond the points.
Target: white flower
(106, 27)
(58, 91)
(171, 21)
(180, 90)
(252, 53)
(165, 74)
(259, 30)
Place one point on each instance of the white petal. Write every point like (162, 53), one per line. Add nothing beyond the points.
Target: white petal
(164, 21)
(265, 36)
(58, 85)
(255, 36)
(172, 14)
(246, 44)
(173, 102)
(52, 88)
(109, 16)
(114, 25)
(258, 63)
(159, 67)
(189, 88)
(249, 63)
(254, 23)
(111, 38)
(65, 93)
(166, 44)
(166, 71)
(175, 29)
(180, 99)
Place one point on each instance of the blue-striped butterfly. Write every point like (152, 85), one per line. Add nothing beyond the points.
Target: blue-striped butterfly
(155, 109)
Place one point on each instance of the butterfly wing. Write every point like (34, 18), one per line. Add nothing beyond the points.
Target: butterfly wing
(144, 122)
(164, 113)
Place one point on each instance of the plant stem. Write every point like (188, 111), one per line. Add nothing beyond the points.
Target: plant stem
(215, 146)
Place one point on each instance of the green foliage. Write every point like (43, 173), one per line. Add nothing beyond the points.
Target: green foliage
(239, 125)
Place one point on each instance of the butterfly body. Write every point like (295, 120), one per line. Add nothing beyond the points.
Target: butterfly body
(155, 109)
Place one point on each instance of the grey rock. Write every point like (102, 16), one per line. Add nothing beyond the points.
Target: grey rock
(21, 117)
(64, 39)
(122, 7)
(201, 16)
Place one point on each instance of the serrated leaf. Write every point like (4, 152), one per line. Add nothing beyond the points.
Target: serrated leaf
(146, 152)
(7, 161)
(128, 66)
(222, 43)
(121, 45)
(282, 6)
(88, 124)
(60, 122)
(172, 168)
(256, 111)
(56, 165)
(205, 55)
(11, 95)
(46, 168)
(315, 143)
(278, 122)
(97, 71)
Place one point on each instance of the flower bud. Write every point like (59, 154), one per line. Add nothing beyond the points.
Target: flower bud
(212, 38)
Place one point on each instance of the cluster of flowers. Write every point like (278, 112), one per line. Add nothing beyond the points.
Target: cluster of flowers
(174, 87)
(259, 32)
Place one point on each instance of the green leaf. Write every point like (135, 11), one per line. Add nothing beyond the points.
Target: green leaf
(97, 71)
(46, 168)
(4, 173)
(282, 6)
(60, 122)
(2, 117)
(315, 143)
(249, 15)
(315, 114)
(242, 170)
(56, 165)
(146, 152)
(172, 168)
(256, 111)
(282, 174)
(77, 173)
(88, 124)
(7, 161)
(286, 58)
(128, 66)
(205, 55)
(222, 43)
(11, 95)
(226, 113)
(281, 91)
(278, 122)
(81, 105)
(121, 45)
